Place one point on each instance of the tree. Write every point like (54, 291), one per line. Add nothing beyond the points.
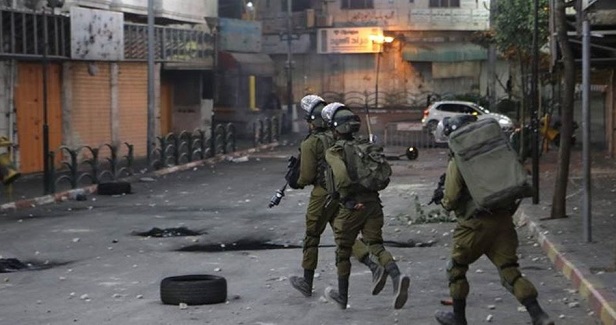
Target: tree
(559, 200)
(513, 34)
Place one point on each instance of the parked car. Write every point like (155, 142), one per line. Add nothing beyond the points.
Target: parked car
(448, 108)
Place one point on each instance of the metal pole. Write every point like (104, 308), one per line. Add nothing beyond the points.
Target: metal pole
(46, 163)
(150, 115)
(289, 66)
(376, 84)
(586, 129)
(535, 103)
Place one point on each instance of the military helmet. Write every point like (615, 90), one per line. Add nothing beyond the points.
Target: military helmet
(340, 118)
(313, 105)
(453, 123)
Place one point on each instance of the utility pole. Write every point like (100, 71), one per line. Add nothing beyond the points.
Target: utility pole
(586, 198)
(289, 66)
(150, 114)
(46, 162)
(535, 103)
(492, 59)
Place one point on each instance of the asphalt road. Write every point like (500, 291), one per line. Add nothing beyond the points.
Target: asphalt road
(98, 271)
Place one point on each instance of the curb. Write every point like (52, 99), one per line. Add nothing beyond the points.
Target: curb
(69, 194)
(602, 302)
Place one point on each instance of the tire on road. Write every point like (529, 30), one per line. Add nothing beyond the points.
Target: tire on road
(196, 289)
(113, 188)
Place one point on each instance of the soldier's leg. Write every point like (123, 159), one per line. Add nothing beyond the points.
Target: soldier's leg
(373, 236)
(316, 222)
(379, 275)
(503, 255)
(467, 248)
(346, 227)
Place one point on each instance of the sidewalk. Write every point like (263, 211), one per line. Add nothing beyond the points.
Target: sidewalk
(591, 267)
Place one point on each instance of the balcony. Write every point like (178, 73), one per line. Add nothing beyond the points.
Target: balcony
(189, 11)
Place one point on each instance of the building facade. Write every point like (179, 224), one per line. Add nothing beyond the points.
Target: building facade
(339, 47)
(97, 75)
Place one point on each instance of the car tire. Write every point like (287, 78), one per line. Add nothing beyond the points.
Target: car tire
(196, 289)
(113, 188)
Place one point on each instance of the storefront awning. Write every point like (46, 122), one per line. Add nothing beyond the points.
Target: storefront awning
(443, 52)
(257, 64)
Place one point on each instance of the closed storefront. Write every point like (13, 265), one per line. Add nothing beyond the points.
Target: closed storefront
(91, 104)
(133, 105)
(30, 113)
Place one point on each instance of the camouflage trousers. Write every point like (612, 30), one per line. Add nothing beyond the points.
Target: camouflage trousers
(493, 235)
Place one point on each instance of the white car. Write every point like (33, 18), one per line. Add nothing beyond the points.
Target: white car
(435, 113)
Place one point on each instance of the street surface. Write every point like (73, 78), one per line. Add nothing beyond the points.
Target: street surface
(101, 272)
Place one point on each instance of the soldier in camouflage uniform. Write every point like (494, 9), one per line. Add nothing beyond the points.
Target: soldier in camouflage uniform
(490, 233)
(322, 207)
(360, 211)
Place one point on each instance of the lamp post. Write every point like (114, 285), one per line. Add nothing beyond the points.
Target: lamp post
(380, 40)
(289, 67)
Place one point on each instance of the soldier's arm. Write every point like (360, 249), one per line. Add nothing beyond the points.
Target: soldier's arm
(341, 176)
(454, 184)
(308, 162)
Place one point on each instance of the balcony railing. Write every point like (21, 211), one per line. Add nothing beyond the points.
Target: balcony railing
(22, 37)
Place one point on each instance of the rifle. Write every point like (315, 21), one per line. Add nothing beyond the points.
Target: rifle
(438, 194)
(291, 180)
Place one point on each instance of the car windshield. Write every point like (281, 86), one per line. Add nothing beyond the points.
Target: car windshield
(481, 109)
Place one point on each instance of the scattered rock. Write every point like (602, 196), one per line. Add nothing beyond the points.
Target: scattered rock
(489, 318)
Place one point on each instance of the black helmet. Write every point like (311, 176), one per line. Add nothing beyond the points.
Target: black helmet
(453, 123)
(313, 105)
(340, 118)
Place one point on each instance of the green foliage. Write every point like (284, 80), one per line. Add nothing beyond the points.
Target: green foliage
(514, 25)
(423, 215)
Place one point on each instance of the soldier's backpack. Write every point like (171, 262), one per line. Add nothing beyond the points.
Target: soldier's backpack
(366, 164)
(490, 167)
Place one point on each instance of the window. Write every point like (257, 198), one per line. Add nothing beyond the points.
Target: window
(444, 3)
(296, 5)
(357, 4)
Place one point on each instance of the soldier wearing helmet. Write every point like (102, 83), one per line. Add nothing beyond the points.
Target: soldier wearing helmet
(477, 233)
(360, 211)
(322, 206)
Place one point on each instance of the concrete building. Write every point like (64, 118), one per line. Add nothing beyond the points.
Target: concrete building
(97, 73)
(338, 48)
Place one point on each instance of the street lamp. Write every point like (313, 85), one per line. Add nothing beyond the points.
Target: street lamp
(380, 40)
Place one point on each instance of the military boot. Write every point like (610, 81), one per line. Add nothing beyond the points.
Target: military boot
(538, 316)
(303, 285)
(457, 317)
(400, 283)
(341, 296)
(379, 275)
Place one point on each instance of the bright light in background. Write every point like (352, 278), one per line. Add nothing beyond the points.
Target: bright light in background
(249, 5)
(381, 39)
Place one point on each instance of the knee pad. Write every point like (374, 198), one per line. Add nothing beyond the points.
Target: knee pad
(311, 241)
(456, 272)
(509, 274)
(343, 254)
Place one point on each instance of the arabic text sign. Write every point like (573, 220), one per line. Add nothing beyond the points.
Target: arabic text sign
(348, 40)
